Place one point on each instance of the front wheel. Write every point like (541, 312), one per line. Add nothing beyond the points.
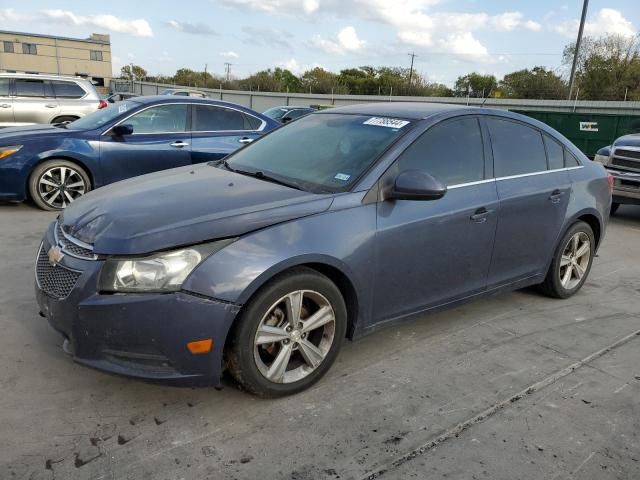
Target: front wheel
(571, 263)
(288, 334)
(54, 184)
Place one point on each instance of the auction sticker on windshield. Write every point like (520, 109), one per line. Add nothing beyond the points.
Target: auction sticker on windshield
(386, 122)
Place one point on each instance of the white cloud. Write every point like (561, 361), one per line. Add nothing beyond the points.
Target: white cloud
(10, 15)
(509, 21)
(605, 21)
(465, 46)
(295, 67)
(198, 28)
(346, 41)
(230, 54)
(139, 27)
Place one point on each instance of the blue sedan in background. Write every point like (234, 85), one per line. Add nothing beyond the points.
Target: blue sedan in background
(56, 164)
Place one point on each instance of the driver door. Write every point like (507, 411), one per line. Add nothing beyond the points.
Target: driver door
(430, 253)
(160, 140)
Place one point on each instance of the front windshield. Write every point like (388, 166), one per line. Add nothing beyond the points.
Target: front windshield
(167, 91)
(103, 116)
(275, 113)
(321, 152)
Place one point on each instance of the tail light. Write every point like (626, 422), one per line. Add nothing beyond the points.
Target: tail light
(611, 180)
(102, 104)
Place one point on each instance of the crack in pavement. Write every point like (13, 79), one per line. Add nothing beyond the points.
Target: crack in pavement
(489, 412)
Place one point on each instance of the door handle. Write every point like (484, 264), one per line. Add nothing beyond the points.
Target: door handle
(51, 105)
(245, 140)
(481, 214)
(5, 105)
(556, 196)
(179, 144)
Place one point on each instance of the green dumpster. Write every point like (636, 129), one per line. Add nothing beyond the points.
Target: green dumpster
(588, 131)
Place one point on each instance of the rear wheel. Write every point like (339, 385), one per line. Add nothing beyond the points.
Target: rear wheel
(571, 263)
(54, 184)
(288, 335)
(614, 208)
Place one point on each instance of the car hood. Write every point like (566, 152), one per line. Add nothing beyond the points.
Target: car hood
(11, 132)
(182, 206)
(632, 140)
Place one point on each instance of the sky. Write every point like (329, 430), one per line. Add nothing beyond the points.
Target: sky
(449, 37)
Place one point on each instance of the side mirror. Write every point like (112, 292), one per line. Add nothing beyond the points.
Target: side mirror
(414, 185)
(286, 119)
(120, 130)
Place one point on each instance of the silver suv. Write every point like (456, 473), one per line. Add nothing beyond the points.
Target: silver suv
(29, 98)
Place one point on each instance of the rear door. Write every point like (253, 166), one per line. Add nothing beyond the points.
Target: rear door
(218, 131)
(432, 252)
(160, 140)
(534, 193)
(34, 102)
(6, 103)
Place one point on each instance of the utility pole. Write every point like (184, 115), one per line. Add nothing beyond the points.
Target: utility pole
(227, 67)
(205, 69)
(572, 79)
(412, 55)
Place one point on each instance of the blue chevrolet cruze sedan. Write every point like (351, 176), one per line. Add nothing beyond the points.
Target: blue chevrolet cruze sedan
(56, 164)
(337, 224)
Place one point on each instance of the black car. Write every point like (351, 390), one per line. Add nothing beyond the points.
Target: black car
(287, 113)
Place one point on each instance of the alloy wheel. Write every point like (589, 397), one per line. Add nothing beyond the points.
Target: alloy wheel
(294, 336)
(59, 186)
(575, 260)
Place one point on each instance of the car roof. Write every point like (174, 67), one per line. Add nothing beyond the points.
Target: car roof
(173, 99)
(408, 110)
(292, 107)
(44, 76)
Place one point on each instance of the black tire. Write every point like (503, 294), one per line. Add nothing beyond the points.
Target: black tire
(65, 118)
(74, 171)
(614, 208)
(552, 285)
(240, 352)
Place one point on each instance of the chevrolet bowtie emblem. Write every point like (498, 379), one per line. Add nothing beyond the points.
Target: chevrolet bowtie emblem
(55, 255)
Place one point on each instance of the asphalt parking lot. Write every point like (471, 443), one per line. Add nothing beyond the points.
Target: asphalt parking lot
(513, 386)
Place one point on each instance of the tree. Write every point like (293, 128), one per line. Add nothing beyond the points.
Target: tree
(535, 83)
(475, 85)
(608, 67)
(319, 80)
(133, 72)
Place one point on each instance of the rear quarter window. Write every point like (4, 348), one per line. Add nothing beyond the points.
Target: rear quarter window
(555, 153)
(517, 148)
(570, 160)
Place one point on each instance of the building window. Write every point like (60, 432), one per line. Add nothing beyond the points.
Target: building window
(95, 55)
(29, 49)
(8, 47)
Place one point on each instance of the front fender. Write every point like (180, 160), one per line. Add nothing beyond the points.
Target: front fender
(339, 239)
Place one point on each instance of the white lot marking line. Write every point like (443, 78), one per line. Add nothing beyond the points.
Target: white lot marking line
(461, 427)
(583, 463)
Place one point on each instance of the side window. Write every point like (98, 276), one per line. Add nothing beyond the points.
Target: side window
(26, 87)
(67, 89)
(4, 87)
(570, 160)
(210, 119)
(554, 153)
(451, 151)
(160, 119)
(251, 122)
(517, 148)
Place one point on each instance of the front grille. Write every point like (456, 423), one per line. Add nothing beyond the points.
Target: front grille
(55, 281)
(72, 248)
(622, 152)
(623, 162)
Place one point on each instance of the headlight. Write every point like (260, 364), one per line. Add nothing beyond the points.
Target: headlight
(6, 151)
(603, 159)
(160, 272)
